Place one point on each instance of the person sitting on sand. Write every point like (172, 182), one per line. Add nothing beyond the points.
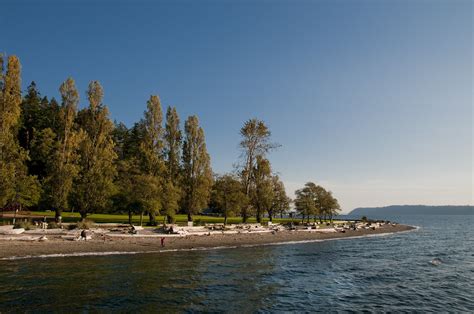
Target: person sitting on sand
(83, 235)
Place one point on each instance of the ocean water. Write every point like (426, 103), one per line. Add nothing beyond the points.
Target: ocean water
(430, 269)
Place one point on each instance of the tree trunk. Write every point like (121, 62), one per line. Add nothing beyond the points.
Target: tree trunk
(141, 218)
(225, 220)
(170, 219)
(259, 216)
(152, 217)
(57, 214)
(302, 219)
(190, 217)
(270, 215)
(281, 215)
(83, 215)
(244, 215)
(130, 217)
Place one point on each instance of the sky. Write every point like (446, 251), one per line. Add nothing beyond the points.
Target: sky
(371, 99)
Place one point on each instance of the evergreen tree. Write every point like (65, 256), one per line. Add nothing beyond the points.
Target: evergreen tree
(31, 116)
(93, 186)
(120, 136)
(197, 173)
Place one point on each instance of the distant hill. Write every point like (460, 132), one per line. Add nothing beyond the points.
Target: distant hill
(413, 210)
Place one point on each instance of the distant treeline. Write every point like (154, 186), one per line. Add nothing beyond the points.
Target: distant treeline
(54, 156)
(414, 210)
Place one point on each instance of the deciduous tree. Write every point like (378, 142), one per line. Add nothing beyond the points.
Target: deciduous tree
(197, 173)
(227, 196)
(255, 142)
(64, 167)
(94, 186)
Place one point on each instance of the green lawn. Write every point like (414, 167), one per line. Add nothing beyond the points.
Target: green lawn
(180, 219)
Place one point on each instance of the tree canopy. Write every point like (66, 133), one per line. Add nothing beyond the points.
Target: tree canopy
(54, 156)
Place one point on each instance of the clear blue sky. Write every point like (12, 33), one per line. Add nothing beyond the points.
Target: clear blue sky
(372, 99)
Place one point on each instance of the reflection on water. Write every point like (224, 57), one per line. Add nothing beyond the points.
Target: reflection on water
(390, 273)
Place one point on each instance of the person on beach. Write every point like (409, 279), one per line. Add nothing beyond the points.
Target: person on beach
(162, 242)
(84, 235)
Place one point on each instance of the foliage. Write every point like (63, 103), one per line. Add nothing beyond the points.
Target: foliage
(25, 224)
(255, 142)
(94, 186)
(63, 164)
(84, 224)
(280, 202)
(17, 187)
(314, 200)
(262, 195)
(197, 173)
(56, 158)
(227, 196)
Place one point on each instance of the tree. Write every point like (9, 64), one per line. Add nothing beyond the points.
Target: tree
(255, 142)
(120, 136)
(329, 205)
(170, 200)
(94, 186)
(173, 141)
(151, 146)
(197, 173)
(63, 167)
(151, 157)
(138, 192)
(280, 202)
(227, 196)
(262, 196)
(172, 149)
(31, 116)
(315, 200)
(16, 186)
(305, 202)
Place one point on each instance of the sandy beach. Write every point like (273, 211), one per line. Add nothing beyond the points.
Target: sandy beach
(19, 246)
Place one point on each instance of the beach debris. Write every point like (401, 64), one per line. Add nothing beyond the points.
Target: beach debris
(134, 229)
(10, 230)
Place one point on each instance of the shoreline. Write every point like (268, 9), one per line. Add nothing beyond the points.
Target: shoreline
(102, 245)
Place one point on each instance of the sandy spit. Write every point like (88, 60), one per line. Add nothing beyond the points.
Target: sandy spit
(56, 246)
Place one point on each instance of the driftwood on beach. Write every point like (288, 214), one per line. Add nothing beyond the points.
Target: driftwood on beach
(101, 241)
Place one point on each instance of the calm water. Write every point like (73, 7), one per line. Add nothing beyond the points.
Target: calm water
(389, 273)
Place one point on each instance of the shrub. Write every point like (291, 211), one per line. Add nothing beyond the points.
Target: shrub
(27, 225)
(84, 224)
(53, 225)
(364, 219)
